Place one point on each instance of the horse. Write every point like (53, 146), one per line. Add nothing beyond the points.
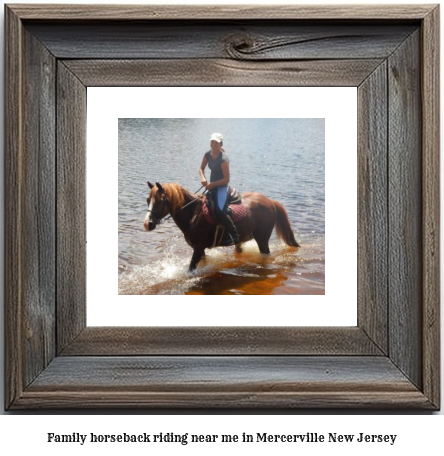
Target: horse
(186, 209)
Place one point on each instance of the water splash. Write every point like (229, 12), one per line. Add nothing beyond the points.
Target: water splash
(222, 271)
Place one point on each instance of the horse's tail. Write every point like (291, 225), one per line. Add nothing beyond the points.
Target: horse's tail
(283, 228)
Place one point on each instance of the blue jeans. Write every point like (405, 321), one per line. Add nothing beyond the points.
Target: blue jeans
(222, 193)
(219, 196)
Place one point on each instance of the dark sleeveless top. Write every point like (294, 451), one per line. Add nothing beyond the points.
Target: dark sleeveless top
(216, 165)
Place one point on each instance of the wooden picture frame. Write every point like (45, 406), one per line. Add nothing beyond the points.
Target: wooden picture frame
(389, 360)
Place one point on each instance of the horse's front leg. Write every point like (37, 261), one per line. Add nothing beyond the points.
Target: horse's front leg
(198, 253)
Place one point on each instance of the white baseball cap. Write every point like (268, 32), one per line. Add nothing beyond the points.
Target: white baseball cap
(217, 137)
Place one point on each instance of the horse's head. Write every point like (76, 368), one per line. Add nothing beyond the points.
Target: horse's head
(158, 206)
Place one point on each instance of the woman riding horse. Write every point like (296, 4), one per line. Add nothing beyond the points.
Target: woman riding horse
(218, 162)
(262, 215)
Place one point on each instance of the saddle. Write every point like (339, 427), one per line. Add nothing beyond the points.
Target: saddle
(236, 208)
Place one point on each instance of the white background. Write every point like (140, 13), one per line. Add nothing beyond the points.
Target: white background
(417, 433)
(338, 307)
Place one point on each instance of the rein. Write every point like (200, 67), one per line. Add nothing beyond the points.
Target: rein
(160, 220)
(192, 201)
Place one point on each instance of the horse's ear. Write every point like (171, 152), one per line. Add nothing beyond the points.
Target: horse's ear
(159, 186)
(150, 185)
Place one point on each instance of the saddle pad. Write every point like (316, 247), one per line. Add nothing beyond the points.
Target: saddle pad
(238, 212)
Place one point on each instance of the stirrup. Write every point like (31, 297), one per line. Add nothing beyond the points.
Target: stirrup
(231, 241)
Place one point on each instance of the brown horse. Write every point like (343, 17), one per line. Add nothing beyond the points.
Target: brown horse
(262, 215)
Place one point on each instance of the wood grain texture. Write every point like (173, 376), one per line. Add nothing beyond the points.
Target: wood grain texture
(209, 373)
(233, 382)
(260, 40)
(38, 222)
(372, 207)
(13, 207)
(430, 94)
(218, 72)
(220, 12)
(126, 341)
(405, 209)
(408, 377)
(246, 401)
(71, 206)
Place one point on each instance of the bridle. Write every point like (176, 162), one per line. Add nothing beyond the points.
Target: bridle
(160, 219)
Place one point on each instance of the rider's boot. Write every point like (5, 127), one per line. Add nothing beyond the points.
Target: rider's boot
(229, 225)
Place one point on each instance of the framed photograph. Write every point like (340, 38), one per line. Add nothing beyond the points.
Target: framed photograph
(164, 142)
(58, 58)
(259, 151)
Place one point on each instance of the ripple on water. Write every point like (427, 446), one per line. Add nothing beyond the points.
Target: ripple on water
(285, 271)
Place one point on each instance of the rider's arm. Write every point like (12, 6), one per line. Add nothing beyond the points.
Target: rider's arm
(203, 181)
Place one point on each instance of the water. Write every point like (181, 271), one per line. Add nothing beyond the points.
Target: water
(281, 158)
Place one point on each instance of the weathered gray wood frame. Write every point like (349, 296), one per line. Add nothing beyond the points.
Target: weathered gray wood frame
(390, 360)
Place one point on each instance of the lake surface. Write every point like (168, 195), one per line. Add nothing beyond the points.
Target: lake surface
(281, 158)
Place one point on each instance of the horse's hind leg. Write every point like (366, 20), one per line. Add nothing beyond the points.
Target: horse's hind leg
(263, 246)
(262, 241)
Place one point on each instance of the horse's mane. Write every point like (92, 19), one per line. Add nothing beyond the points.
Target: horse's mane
(177, 195)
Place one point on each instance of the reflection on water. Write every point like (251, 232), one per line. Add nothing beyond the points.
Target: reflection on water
(223, 271)
(282, 158)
